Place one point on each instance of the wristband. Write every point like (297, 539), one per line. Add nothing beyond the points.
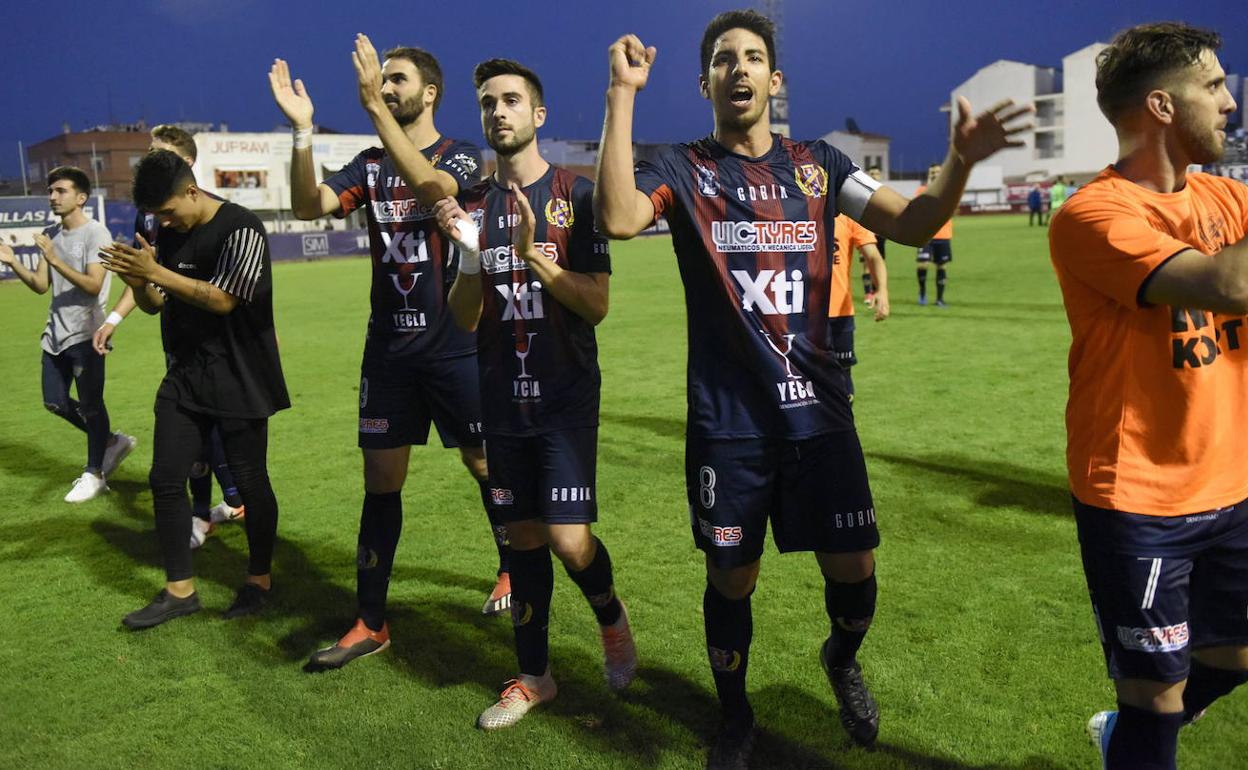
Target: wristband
(469, 252)
(302, 138)
(114, 318)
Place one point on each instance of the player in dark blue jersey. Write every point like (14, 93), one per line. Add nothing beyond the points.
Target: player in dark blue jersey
(533, 287)
(418, 366)
(771, 433)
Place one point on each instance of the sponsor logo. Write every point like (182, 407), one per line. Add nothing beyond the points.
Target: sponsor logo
(403, 210)
(186, 265)
(723, 660)
(762, 192)
(524, 386)
(521, 613)
(794, 390)
(854, 519)
(784, 235)
(559, 213)
(406, 317)
(571, 494)
(523, 300)
(374, 425)
(315, 245)
(365, 557)
(231, 146)
(464, 163)
(1154, 639)
(723, 537)
(500, 496)
(403, 249)
(773, 292)
(708, 184)
(504, 259)
(812, 179)
(1200, 339)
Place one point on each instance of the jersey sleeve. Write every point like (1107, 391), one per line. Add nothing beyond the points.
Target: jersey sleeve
(654, 178)
(100, 237)
(853, 186)
(463, 162)
(1110, 246)
(589, 251)
(241, 261)
(860, 236)
(351, 183)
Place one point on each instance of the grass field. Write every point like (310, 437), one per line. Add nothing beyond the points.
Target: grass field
(982, 655)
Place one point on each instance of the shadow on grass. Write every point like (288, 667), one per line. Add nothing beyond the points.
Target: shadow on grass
(660, 426)
(54, 474)
(995, 484)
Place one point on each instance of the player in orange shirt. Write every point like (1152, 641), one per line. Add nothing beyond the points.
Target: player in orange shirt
(1153, 266)
(939, 250)
(847, 236)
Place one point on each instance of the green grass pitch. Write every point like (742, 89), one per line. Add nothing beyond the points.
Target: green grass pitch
(982, 655)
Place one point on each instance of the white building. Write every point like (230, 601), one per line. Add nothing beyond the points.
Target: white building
(864, 148)
(1072, 137)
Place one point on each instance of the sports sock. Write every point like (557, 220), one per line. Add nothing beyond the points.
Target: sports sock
(1206, 684)
(850, 607)
(532, 583)
(381, 522)
(1143, 740)
(497, 527)
(221, 469)
(729, 630)
(940, 284)
(922, 284)
(866, 282)
(201, 495)
(598, 585)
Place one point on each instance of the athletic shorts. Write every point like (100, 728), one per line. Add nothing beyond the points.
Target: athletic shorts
(814, 491)
(1162, 586)
(939, 251)
(399, 399)
(841, 340)
(551, 476)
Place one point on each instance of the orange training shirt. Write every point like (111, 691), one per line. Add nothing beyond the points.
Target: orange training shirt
(1157, 416)
(849, 236)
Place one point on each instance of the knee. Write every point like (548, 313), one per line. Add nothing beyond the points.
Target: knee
(852, 567)
(575, 548)
(57, 408)
(165, 481)
(1157, 697)
(474, 461)
(526, 535)
(736, 583)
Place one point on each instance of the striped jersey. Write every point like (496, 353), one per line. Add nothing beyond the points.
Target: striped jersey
(414, 263)
(538, 360)
(753, 241)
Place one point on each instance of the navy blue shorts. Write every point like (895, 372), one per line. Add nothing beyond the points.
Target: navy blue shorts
(399, 399)
(814, 491)
(841, 340)
(1162, 586)
(938, 250)
(551, 477)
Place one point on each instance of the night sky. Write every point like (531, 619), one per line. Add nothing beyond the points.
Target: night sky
(889, 64)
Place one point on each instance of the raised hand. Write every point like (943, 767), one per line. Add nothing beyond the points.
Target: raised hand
(522, 236)
(449, 215)
(45, 245)
(978, 137)
(367, 71)
(630, 62)
(6, 254)
(292, 99)
(130, 262)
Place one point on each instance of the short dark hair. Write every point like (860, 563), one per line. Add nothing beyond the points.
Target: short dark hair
(492, 68)
(159, 176)
(425, 62)
(76, 176)
(749, 20)
(176, 136)
(1140, 57)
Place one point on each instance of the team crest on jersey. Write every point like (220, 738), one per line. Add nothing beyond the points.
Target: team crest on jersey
(812, 179)
(559, 213)
(708, 184)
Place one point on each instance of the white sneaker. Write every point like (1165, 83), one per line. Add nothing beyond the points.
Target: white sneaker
(200, 530)
(118, 449)
(87, 486)
(223, 511)
(519, 695)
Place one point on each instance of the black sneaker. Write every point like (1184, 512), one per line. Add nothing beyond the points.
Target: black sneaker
(733, 746)
(249, 600)
(859, 715)
(164, 607)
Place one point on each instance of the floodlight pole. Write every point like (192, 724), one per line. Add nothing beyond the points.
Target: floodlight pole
(21, 159)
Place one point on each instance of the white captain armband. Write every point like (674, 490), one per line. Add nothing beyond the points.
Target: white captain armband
(854, 194)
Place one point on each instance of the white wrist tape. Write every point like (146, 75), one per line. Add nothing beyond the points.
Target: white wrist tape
(302, 138)
(114, 318)
(467, 240)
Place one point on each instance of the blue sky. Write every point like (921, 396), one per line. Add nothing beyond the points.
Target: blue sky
(889, 64)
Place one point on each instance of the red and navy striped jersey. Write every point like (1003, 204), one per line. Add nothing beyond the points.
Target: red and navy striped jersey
(753, 240)
(414, 264)
(538, 360)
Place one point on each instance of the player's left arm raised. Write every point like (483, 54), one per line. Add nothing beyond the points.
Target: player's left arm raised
(586, 294)
(974, 138)
(427, 183)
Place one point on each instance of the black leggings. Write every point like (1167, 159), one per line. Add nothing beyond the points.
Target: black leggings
(178, 443)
